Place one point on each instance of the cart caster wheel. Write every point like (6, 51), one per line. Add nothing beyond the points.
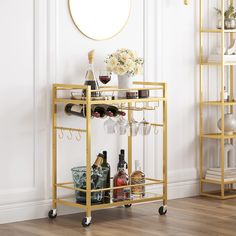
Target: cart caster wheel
(86, 222)
(162, 210)
(52, 214)
(128, 205)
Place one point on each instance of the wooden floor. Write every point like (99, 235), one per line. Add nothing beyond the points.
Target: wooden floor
(189, 216)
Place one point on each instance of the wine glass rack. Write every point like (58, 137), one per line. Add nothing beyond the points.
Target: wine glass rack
(160, 99)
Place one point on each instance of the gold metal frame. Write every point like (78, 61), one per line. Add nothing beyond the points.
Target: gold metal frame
(224, 193)
(69, 185)
(125, 24)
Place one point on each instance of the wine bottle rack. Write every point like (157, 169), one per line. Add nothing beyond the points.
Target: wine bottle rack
(56, 100)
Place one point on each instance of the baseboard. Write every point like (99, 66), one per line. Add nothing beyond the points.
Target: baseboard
(35, 210)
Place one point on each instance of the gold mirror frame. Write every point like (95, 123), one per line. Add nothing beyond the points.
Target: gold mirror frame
(105, 38)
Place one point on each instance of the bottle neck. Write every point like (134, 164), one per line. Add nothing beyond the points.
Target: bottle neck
(90, 66)
(98, 161)
(137, 166)
(105, 160)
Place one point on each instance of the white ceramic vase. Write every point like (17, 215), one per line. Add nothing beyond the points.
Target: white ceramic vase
(230, 123)
(124, 82)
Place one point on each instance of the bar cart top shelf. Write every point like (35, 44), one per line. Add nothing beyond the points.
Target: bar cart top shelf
(151, 86)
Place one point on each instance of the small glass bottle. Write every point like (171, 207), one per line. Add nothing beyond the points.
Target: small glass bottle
(138, 177)
(121, 179)
(105, 164)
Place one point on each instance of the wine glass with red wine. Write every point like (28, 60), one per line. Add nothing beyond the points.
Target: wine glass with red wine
(105, 76)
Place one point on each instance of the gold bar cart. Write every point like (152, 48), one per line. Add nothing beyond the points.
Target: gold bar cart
(161, 99)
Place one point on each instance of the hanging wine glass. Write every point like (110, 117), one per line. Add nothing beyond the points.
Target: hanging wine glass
(121, 126)
(133, 127)
(109, 124)
(144, 127)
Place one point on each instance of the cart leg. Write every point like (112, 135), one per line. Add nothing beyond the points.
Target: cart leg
(87, 220)
(163, 209)
(53, 213)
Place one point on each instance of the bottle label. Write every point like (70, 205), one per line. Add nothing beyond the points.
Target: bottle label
(77, 108)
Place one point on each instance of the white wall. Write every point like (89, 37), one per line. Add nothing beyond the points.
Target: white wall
(31, 61)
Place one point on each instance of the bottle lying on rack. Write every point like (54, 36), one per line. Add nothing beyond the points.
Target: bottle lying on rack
(121, 179)
(138, 177)
(105, 164)
(114, 110)
(90, 78)
(98, 111)
(80, 110)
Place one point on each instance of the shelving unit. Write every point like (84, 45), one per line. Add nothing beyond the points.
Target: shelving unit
(56, 100)
(226, 187)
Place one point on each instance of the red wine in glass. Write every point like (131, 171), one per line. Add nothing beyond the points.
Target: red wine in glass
(104, 78)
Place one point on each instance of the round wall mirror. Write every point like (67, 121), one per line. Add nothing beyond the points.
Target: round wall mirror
(100, 19)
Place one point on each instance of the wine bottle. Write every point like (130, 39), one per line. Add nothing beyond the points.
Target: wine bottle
(138, 177)
(106, 165)
(90, 78)
(115, 111)
(79, 110)
(121, 179)
(101, 110)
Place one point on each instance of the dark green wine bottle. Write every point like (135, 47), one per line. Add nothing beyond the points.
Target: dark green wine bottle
(106, 165)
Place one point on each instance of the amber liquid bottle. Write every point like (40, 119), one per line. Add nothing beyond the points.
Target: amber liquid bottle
(106, 165)
(138, 177)
(121, 179)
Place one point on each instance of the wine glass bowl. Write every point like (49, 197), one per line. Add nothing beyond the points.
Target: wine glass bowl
(104, 77)
(144, 127)
(121, 126)
(133, 127)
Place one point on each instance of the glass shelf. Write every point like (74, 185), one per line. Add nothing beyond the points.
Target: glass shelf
(149, 197)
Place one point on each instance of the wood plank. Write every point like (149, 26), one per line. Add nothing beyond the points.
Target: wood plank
(188, 216)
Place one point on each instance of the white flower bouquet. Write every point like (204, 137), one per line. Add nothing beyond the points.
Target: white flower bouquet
(124, 61)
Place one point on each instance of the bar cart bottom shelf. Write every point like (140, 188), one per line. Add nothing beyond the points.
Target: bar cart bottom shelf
(71, 201)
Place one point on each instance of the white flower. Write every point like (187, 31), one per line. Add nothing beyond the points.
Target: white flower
(129, 64)
(112, 62)
(138, 70)
(124, 57)
(124, 61)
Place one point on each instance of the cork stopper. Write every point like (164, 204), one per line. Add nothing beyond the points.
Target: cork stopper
(91, 56)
